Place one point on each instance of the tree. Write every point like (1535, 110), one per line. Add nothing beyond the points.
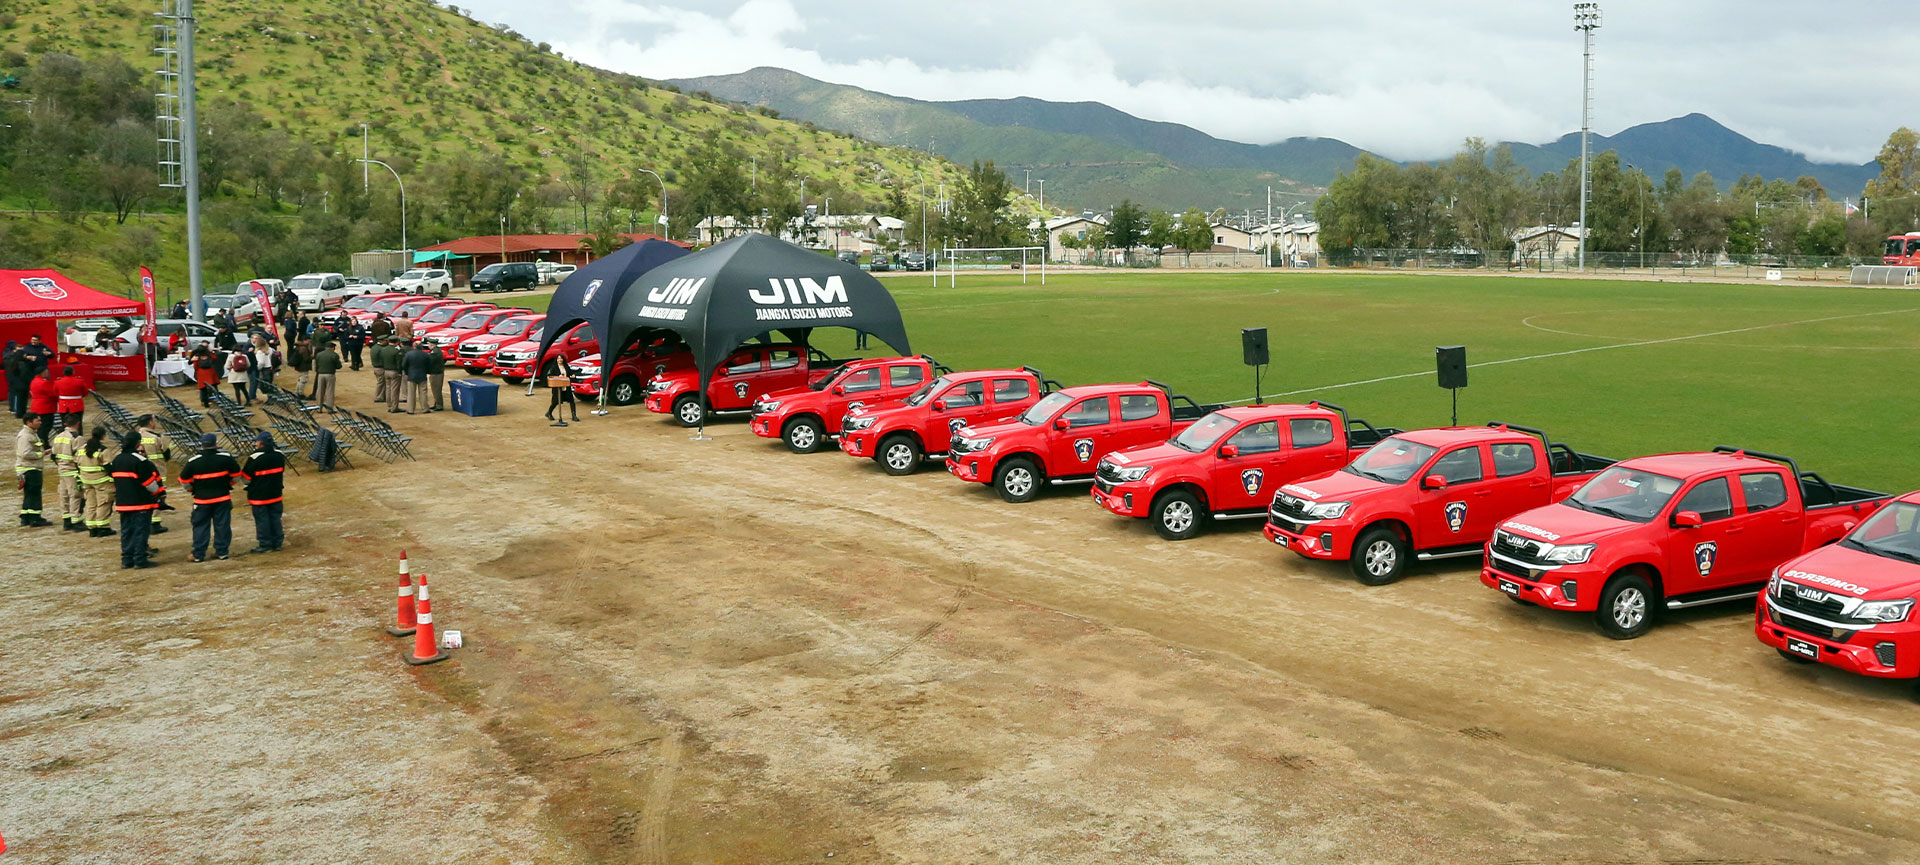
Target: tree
(135, 246)
(124, 169)
(979, 216)
(1162, 231)
(1127, 227)
(1700, 219)
(716, 183)
(1899, 166)
(579, 181)
(1193, 233)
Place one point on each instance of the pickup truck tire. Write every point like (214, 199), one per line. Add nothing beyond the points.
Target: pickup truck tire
(899, 455)
(513, 379)
(804, 434)
(1798, 659)
(1626, 607)
(689, 411)
(625, 390)
(1018, 480)
(1176, 515)
(1379, 557)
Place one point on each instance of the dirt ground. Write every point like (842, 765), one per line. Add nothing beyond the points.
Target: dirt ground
(719, 652)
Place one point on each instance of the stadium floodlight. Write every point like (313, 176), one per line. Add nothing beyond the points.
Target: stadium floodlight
(1586, 19)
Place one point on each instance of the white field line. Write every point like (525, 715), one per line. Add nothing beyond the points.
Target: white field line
(1585, 350)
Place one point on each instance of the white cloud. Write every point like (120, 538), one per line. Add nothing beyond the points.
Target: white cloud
(1405, 80)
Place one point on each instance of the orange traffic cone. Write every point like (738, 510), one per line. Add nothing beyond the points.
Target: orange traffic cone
(425, 650)
(403, 620)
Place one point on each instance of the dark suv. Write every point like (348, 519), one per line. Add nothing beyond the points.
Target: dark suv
(506, 277)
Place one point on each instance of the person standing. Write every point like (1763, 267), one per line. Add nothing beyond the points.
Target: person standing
(379, 362)
(290, 328)
(206, 374)
(17, 379)
(208, 476)
(300, 357)
(437, 376)
(266, 362)
(137, 488)
(175, 341)
(43, 399)
(38, 354)
(381, 328)
(154, 447)
(95, 485)
(71, 392)
(555, 373)
(224, 340)
(29, 457)
(179, 310)
(326, 368)
(414, 365)
(403, 329)
(66, 444)
(264, 473)
(353, 338)
(238, 364)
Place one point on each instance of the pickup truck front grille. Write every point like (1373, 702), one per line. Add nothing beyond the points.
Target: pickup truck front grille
(1519, 549)
(1106, 474)
(1824, 605)
(1788, 620)
(1288, 508)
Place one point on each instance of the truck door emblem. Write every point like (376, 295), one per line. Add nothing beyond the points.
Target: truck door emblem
(1251, 479)
(740, 390)
(1083, 448)
(1456, 515)
(1703, 555)
(659, 369)
(955, 424)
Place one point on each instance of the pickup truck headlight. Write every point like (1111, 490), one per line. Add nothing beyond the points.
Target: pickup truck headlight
(1570, 554)
(973, 445)
(766, 405)
(858, 423)
(1129, 474)
(1327, 510)
(1885, 611)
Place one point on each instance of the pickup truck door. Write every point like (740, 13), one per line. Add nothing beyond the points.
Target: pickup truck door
(1011, 396)
(903, 379)
(863, 386)
(733, 383)
(1457, 514)
(1522, 481)
(1711, 555)
(966, 404)
(786, 368)
(1144, 419)
(1317, 445)
(1774, 531)
(1090, 435)
(1248, 479)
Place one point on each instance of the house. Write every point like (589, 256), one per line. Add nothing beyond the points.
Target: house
(1547, 243)
(714, 229)
(468, 255)
(1062, 227)
(1296, 241)
(1232, 237)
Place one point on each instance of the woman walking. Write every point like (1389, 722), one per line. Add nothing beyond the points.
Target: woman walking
(206, 374)
(237, 366)
(96, 486)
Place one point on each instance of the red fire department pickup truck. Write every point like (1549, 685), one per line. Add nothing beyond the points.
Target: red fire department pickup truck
(638, 362)
(1669, 532)
(1850, 604)
(476, 354)
(469, 325)
(1061, 439)
(752, 370)
(899, 435)
(1228, 464)
(807, 417)
(1429, 494)
(515, 363)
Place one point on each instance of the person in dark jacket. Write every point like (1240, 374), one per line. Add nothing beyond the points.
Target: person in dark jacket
(414, 366)
(326, 368)
(264, 472)
(353, 338)
(209, 477)
(300, 357)
(39, 355)
(17, 378)
(381, 328)
(137, 487)
(436, 376)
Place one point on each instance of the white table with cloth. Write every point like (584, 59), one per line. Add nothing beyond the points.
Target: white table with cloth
(173, 371)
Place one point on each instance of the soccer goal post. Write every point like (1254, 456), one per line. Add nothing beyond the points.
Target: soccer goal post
(992, 258)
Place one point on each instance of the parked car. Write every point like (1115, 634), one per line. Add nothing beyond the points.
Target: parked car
(440, 317)
(879, 262)
(359, 285)
(127, 338)
(627, 381)
(469, 325)
(365, 306)
(1427, 494)
(750, 371)
(243, 306)
(425, 280)
(511, 276)
(899, 435)
(913, 261)
(850, 257)
(1850, 604)
(413, 310)
(562, 271)
(1228, 465)
(554, 274)
(317, 292)
(477, 353)
(807, 418)
(515, 363)
(1669, 532)
(1062, 438)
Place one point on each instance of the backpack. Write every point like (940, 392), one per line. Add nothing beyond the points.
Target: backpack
(240, 362)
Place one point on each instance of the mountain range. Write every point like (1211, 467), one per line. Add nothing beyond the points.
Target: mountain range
(1093, 155)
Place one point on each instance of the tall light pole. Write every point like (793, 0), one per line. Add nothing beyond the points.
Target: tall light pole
(663, 203)
(1043, 196)
(366, 153)
(1586, 19)
(181, 166)
(403, 207)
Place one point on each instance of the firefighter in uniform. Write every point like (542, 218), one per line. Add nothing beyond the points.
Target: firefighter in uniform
(137, 487)
(208, 475)
(91, 461)
(264, 472)
(155, 448)
(379, 361)
(28, 459)
(65, 445)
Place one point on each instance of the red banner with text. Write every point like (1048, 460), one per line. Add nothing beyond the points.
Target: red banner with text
(148, 330)
(266, 309)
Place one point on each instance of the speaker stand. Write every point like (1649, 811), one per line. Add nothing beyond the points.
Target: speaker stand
(1456, 404)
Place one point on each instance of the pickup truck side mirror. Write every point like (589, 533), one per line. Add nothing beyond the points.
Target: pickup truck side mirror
(1688, 520)
(1061, 423)
(1433, 482)
(1229, 452)
(939, 405)
(839, 390)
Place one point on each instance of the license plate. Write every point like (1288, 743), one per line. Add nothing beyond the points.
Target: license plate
(1280, 539)
(1804, 648)
(1510, 587)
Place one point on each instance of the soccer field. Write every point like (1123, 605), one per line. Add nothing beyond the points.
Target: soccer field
(1619, 368)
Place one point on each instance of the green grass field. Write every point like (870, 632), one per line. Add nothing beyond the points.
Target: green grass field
(1819, 374)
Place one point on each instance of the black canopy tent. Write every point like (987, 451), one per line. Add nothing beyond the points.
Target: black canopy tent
(592, 293)
(751, 285)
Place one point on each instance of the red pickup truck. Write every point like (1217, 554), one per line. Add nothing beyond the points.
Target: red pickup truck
(899, 435)
(807, 417)
(1429, 494)
(1227, 465)
(1850, 604)
(1669, 532)
(469, 325)
(476, 354)
(636, 364)
(1061, 439)
(750, 371)
(514, 363)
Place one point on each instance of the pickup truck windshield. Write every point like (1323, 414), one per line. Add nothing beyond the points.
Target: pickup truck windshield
(436, 316)
(926, 390)
(1046, 408)
(1392, 461)
(1894, 532)
(305, 282)
(472, 320)
(359, 303)
(1204, 433)
(510, 327)
(831, 379)
(1627, 494)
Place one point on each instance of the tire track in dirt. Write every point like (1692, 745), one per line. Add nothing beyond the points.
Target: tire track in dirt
(959, 597)
(653, 816)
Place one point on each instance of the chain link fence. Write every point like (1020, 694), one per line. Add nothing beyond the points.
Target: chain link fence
(1816, 268)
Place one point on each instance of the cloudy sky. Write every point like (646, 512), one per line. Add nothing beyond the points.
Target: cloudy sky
(1407, 79)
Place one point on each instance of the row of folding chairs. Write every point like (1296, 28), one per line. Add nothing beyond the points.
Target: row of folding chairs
(302, 433)
(176, 409)
(379, 437)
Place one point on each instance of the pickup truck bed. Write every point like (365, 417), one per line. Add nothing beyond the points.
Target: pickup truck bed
(1818, 493)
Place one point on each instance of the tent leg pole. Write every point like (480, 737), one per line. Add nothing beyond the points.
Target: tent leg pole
(601, 411)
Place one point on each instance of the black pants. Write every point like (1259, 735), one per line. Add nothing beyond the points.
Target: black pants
(135, 526)
(29, 494)
(560, 395)
(16, 397)
(353, 352)
(240, 391)
(267, 530)
(206, 393)
(219, 519)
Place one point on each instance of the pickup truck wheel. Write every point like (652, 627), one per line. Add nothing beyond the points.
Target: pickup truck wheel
(1176, 515)
(1018, 480)
(900, 455)
(689, 411)
(1626, 607)
(803, 435)
(513, 379)
(1379, 557)
(1798, 659)
(625, 391)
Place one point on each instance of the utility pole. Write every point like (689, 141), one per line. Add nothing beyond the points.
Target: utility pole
(1586, 19)
(181, 167)
(1028, 189)
(1043, 196)
(366, 166)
